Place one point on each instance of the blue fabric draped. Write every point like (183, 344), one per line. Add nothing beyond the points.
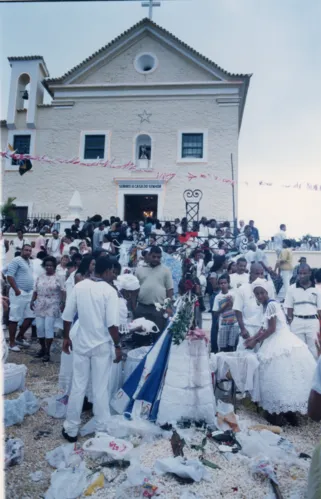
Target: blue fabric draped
(142, 390)
(175, 266)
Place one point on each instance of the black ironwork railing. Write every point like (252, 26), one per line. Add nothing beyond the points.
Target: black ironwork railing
(18, 220)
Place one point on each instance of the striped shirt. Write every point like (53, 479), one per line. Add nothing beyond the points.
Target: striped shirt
(22, 272)
(303, 301)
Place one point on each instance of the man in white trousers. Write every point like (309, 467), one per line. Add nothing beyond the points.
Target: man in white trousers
(94, 340)
(303, 304)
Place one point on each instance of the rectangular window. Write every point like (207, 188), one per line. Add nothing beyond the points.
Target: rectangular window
(192, 145)
(94, 147)
(21, 144)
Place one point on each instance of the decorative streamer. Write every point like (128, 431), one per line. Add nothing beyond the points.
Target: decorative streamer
(130, 166)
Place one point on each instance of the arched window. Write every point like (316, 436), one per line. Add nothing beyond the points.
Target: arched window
(23, 91)
(143, 151)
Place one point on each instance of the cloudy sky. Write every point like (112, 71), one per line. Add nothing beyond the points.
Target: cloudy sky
(278, 41)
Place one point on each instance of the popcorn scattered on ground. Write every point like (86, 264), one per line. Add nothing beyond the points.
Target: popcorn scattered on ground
(232, 481)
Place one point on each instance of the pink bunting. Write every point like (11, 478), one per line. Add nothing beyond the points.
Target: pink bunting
(130, 166)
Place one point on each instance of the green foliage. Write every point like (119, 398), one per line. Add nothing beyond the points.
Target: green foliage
(182, 321)
(7, 208)
(8, 212)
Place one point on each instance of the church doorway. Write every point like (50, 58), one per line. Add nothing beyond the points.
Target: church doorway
(139, 206)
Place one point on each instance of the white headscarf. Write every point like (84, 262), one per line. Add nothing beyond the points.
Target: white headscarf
(128, 282)
(261, 283)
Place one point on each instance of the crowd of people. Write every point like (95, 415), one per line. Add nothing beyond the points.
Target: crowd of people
(94, 281)
(205, 228)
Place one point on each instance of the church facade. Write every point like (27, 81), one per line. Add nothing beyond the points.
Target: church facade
(145, 98)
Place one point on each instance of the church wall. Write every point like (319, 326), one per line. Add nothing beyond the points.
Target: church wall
(58, 135)
(171, 67)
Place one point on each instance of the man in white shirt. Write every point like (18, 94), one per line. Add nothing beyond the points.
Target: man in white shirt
(279, 238)
(19, 241)
(250, 255)
(261, 257)
(36, 264)
(242, 227)
(248, 311)
(72, 268)
(67, 245)
(203, 227)
(98, 236)
(94, 344)
(212, 228)
(303, 304)
(53, 246)
(241, 276)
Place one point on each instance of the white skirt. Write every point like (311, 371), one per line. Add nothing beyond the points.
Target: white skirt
(188, 390)
(286, 371)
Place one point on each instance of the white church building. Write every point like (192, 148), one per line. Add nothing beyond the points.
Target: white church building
(146, 98)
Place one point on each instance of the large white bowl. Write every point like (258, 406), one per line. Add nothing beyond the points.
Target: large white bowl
(14, 377)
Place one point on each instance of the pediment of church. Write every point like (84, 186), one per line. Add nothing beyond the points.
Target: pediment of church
(145, 54)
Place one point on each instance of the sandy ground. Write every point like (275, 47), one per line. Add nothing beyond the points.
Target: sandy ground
(233, 480)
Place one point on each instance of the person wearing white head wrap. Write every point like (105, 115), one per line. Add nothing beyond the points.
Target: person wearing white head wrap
(127, 282)
(286, 364)
(128, 286)
(261, 283)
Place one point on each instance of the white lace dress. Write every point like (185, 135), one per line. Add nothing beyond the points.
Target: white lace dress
(286, 367)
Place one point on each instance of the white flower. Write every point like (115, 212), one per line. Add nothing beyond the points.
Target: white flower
(158, 307)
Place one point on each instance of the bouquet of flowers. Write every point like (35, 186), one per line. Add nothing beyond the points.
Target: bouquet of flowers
(183, 319)
(167, 307)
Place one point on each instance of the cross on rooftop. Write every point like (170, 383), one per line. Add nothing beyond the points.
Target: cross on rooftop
(151, 4)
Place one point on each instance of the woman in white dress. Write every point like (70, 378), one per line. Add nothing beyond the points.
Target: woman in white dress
(286, 364)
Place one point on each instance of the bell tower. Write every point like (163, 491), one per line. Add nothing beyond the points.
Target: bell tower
(27, 74)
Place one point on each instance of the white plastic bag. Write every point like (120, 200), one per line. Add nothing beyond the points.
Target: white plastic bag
(185, 468)
(264, 444)
(16, 409)
(136, 473)
(14, 452)
(67, 483)
(88, 428)
(56, 406)
(121, 427)
(64, 456)
(224, 408)
(106, 444)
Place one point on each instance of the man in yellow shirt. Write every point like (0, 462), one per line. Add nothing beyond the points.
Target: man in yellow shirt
(285, 267)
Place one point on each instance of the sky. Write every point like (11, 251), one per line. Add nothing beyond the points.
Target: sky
(279, 42)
